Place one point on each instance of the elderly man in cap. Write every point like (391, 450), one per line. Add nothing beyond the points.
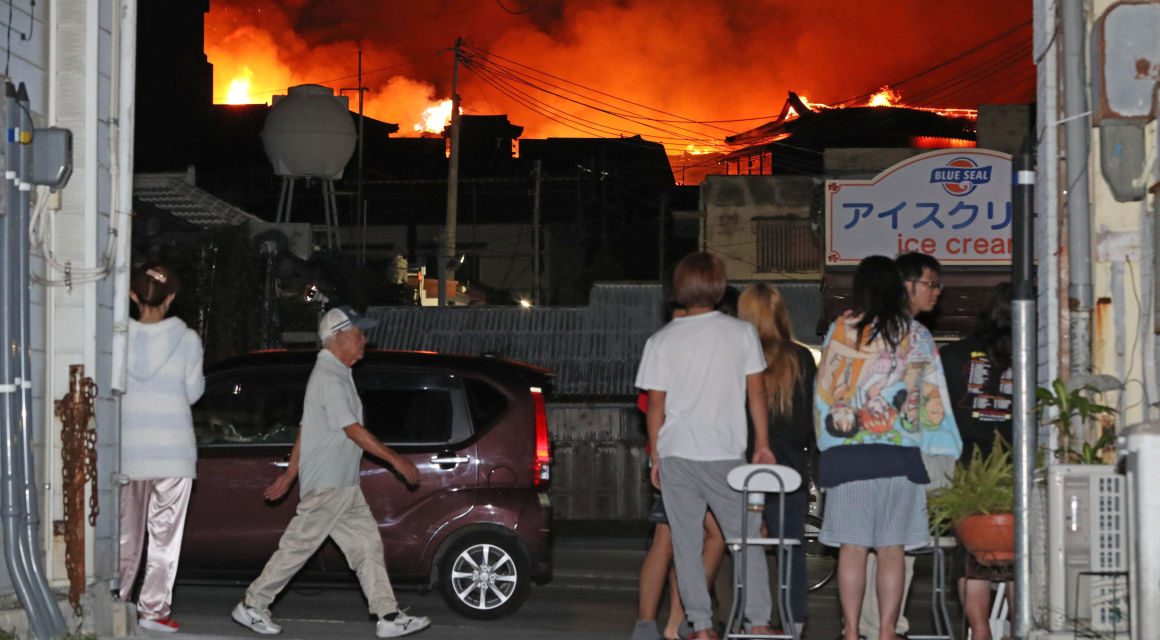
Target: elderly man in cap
(325, 459)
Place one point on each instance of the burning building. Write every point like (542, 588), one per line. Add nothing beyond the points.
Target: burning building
(795, 141)
(766, 217)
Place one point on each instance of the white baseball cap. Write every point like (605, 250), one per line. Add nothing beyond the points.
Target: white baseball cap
(341, 319)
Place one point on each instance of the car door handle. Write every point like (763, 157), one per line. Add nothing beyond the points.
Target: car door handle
(281, 464)
(450, 459)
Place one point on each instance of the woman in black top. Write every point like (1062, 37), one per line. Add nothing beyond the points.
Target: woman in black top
(789, 388)
(978, 371)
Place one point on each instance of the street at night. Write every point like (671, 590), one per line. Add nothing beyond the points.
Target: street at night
(592, 596)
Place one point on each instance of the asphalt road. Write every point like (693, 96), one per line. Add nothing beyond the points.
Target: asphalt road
(593, 595)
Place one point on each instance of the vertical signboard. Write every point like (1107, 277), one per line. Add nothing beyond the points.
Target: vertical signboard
(954, 204)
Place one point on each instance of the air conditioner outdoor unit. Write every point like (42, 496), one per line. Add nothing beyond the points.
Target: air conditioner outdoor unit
(1087, 549)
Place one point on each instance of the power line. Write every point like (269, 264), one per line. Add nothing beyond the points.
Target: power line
(675, 133)
(596, 91)
(986, 43)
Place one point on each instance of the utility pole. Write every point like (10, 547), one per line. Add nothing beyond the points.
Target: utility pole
(359, 207)
(1023, 364)
(446, 267)
(361, 210)
(536, 168)
(661, 239)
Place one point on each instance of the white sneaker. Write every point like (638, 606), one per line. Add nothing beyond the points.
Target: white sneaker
(254, 620)
(402, 625)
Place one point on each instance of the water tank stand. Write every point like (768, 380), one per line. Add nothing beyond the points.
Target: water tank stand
(285, 200)
(329, 208)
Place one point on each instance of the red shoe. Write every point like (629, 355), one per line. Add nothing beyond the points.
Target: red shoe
(704, 634)
(163, 625)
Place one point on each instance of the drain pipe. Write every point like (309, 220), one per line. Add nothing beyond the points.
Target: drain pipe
(11, 500)
(1077, 132)
(121, 170)
(31, 548)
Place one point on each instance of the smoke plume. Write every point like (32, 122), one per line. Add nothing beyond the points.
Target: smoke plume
(700, 59)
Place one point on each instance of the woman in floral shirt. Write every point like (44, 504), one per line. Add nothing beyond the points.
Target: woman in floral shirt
(880, 401)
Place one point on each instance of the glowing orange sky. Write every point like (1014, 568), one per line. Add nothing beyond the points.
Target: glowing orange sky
(699, 59)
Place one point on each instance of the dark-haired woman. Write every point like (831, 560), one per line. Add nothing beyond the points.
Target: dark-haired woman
(880, 401)
(158, 448)
(979, 381)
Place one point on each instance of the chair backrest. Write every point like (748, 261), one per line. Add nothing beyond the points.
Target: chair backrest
(763, 477)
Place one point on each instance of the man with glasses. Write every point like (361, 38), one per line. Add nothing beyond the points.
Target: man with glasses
(921, 275)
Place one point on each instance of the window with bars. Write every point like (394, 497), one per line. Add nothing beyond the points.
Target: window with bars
(787, 245)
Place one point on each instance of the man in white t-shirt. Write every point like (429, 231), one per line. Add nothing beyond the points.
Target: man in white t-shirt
(699, 372)
(326, 459)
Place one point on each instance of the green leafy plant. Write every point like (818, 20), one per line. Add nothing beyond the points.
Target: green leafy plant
(1072, 409)
(985, 486)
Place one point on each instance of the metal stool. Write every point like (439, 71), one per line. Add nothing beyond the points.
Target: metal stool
(762, 478)
(938, 593)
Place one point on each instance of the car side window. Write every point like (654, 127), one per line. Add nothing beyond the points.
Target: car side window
(249, 409)
(485, 402)
(408, 408)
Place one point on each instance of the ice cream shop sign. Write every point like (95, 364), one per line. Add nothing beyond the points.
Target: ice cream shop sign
(954, 204)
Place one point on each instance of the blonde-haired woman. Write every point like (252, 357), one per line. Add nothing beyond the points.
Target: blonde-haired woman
(789, 389)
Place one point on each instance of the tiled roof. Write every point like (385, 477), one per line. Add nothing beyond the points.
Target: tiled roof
(594, 350)
(174, 193)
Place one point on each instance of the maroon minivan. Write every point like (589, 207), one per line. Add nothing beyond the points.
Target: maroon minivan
(478, 524)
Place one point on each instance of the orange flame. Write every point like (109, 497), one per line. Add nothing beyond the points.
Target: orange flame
(239, 91)
(435, 118)
(886, 97)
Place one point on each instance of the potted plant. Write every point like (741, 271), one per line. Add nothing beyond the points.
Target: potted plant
(1069, 408)
(978, 505)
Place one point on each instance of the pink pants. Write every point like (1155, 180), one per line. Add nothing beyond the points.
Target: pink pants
(159, 507)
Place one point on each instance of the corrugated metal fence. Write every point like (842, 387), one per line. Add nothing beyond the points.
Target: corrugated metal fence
(597, 432)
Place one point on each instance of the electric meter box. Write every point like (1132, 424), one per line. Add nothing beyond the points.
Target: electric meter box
(52, 163)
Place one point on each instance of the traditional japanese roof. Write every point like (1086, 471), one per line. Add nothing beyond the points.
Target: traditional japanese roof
(805, 129)
(175, 194)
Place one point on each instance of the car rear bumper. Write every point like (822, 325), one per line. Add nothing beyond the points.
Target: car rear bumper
(535, 529)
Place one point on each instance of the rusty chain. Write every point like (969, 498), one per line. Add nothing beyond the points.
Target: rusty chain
(79, 466)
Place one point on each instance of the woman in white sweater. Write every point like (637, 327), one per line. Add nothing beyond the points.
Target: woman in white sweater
(158, 448)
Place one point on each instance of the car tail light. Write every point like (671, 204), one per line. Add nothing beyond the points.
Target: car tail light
(542, 467)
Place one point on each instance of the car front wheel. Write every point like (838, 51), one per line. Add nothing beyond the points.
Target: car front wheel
(484, 576)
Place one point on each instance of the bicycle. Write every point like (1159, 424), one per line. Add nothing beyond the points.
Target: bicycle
(821, 561)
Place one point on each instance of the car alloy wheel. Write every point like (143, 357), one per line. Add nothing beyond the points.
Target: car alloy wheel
(484, 575)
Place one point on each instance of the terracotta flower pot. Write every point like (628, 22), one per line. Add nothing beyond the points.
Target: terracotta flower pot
(989, 538)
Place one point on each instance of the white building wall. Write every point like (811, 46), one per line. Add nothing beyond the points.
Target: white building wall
(1121, 331)
(79, 318)
(66, 55)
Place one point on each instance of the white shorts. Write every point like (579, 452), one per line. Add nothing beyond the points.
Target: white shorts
(884, 512)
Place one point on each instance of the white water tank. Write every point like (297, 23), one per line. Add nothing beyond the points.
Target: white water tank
(309, 133)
